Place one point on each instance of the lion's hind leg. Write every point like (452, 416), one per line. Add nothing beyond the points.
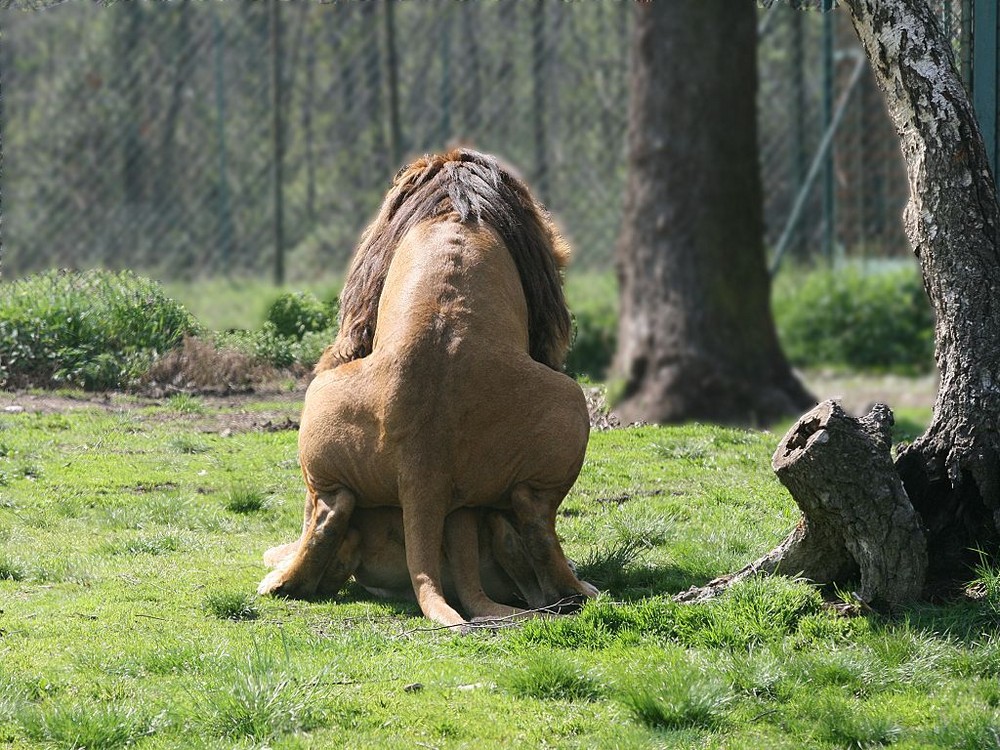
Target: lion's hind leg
(461, 532)
(424, 512)
(535, 512)
(299, 575)
(276, 556)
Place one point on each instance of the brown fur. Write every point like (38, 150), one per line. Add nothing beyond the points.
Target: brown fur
(442, 391)
(379, 559)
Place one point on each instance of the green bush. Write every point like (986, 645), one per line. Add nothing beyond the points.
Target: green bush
(308, 351)
(593, 299)
(264, 345)
(849, 318)
(294, 314)
(92, 329)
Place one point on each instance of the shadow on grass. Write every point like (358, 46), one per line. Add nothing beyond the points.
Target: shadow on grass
(636, 582)
(631, 584)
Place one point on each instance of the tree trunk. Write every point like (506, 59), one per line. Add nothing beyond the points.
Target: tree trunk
(696, 337)
(857, 520)
(952, 472)
(925, 520)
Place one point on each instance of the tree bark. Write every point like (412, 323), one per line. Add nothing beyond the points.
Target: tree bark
(952, 472)
(696, 337)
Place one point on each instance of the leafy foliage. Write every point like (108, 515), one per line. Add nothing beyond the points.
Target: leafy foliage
(262, 345)
(94, 329)
(294, 314)
(850, 317)
(593, 299)
(847, 317)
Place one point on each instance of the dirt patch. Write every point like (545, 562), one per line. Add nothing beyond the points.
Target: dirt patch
(260, 411)
(242, 412)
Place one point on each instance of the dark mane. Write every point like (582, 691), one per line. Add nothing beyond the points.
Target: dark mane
(478, 189)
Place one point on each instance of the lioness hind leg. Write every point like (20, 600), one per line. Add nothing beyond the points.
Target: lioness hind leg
(345, 561)
(299, 576)
(535, 512)
(275, 556)
(508, 551)
(461, 532)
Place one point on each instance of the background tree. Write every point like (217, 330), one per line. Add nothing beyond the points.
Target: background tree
(696, 336)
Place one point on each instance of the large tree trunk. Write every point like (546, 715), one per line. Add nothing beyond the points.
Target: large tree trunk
(696, 337)
(952, 472)
(950, 475)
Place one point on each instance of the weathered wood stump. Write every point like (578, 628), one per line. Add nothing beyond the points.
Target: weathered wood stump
(857, 521)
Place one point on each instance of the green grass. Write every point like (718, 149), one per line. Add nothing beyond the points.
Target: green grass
(130, 544)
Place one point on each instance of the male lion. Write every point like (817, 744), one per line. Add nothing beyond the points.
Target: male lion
(442, 390)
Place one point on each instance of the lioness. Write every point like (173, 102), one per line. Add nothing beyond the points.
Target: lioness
(374, 554)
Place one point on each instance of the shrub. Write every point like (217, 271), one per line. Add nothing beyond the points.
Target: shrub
(263, 346)
(846, 317)
(204, 365)
(294, 314)
(308, 351)
(92, 329)
(594, 301)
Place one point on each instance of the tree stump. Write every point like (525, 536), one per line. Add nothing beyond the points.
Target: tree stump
(857, 520)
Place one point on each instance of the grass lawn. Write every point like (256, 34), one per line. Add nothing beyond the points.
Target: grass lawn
(130, 544)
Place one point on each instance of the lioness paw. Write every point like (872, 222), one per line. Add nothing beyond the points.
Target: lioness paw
(588, 589)
(272, 584)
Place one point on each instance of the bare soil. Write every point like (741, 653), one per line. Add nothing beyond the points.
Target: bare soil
(275, 408)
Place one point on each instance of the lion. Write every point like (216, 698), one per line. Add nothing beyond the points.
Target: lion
(374, 554)
(443, 389)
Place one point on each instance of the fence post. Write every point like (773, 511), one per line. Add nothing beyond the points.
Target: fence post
(985, 71)
(225, 217)
(392, 75)
(800, 155)
(538, 80)
(278, 138)
(829, 185)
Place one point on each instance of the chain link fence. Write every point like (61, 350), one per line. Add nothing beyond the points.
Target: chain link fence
(144, 135)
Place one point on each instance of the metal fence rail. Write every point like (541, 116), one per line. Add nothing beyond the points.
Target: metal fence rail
(141, 135)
